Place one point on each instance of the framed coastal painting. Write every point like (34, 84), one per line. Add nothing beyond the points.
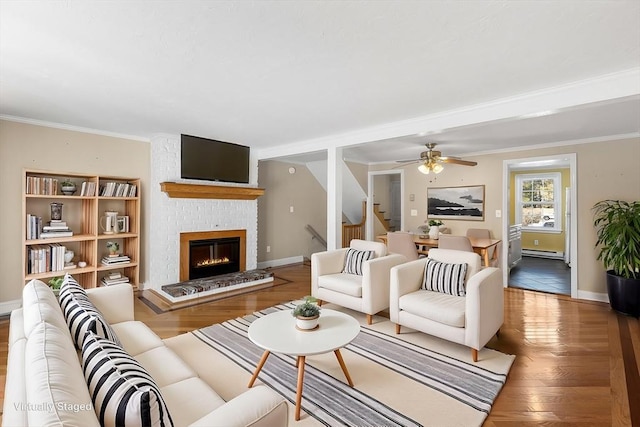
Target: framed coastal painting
(459, 203)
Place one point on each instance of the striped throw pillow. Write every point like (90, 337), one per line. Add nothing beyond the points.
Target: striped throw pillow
(122, 391)
(443, 277)
(355, 259)
(80, 313)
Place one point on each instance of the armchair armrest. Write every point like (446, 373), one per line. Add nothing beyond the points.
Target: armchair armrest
(405, 278)
(114, 302)
(484, 307)
(256, 407)
(328, 262)
(375, 282)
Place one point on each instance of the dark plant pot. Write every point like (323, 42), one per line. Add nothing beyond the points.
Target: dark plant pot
(624, 294)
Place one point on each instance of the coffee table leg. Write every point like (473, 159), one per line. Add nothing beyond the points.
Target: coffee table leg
(343, 366)
(259, 367)
(301, 361)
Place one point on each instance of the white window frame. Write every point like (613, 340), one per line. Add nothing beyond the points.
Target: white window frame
(557, 201)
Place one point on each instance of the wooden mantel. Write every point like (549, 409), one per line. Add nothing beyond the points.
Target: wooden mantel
(199, 191)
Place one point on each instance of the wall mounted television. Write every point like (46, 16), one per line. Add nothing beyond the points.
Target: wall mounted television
(211, 160)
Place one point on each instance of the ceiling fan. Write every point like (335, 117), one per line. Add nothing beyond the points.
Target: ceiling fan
(431, 160)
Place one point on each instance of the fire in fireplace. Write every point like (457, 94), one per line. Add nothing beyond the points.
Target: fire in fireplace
(212, 257)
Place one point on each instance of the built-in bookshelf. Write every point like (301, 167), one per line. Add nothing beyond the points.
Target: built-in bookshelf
(55, 224)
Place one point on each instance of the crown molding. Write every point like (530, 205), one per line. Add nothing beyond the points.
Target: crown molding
(71, 128)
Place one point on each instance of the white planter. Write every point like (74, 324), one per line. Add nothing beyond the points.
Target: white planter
(307, 323)
(434, 232)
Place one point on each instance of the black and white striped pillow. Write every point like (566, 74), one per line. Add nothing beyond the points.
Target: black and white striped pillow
(122, 391)
(355, 259)
(81, 315)
(443, 277)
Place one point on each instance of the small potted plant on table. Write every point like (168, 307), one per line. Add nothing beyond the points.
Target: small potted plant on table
(307, 314)
(68, 187)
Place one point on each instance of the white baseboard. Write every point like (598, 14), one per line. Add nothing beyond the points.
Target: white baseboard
(281, 261)
(543, 254)
(593, 296)
(7, 307)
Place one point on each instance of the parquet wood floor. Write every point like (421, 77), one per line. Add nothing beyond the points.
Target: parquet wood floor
(577, 362)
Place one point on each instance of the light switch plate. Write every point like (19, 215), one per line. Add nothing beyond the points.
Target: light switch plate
(498, 213)
(414, 212)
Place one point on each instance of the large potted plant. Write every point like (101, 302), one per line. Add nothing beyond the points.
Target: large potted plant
(617, 226)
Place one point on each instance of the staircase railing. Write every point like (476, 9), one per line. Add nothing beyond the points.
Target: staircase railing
(354, 231)
(315, 235)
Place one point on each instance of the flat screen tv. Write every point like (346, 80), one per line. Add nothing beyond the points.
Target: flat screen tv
(212, 160)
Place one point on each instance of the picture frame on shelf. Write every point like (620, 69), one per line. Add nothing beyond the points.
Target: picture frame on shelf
(458, 203)
(122, 224)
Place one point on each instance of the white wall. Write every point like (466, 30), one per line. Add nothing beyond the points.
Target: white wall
(171, 216)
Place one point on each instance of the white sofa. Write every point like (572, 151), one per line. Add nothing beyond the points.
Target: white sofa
(45, 384)
(471, 320)
(367, 293)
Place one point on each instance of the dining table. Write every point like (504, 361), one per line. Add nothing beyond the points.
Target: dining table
(481, 246)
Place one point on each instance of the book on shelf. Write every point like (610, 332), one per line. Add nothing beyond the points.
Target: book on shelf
(112, 279)
(40, 185)
(55, 228)
(118, 189)
(54, 234)
(34, 226)
(123, 259)
(45, 258)
(88, 188)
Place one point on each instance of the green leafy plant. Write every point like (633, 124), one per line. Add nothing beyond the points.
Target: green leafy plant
(67, 183)
(55, 282)
(435, 222)
(617, 226)
(113, 247)
(308, 308)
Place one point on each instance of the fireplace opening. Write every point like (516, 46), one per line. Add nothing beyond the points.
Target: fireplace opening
(212, 257)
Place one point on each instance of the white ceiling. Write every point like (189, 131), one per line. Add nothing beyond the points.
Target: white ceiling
(291, 77)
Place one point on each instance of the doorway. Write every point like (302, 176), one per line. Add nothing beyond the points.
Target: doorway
(394, 192)
(549, 235)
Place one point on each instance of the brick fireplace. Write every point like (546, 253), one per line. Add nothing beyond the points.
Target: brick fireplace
(212, 253)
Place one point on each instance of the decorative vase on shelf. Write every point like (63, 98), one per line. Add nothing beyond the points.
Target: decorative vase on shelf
(56, 211)
(434, 232)
(68, 256)
(68, 188)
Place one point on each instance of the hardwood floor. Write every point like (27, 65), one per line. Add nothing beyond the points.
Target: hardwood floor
(577, 362)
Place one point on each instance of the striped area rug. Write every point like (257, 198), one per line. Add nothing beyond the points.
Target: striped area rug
(410, 379)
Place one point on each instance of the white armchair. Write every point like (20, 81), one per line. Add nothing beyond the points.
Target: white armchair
(471, 320)
(367, 293)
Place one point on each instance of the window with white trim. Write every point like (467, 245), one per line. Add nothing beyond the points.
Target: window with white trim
(538, 201)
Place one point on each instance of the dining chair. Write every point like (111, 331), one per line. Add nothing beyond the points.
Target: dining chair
(401, 242)
(459, 243)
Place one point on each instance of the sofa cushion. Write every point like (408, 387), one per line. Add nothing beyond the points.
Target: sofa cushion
(443, 277)
(40, 305)
(156, 360)
(136, 337)
(81, 315)
(189, 400)
(354, 260)
(437, 306)
(55, 386)
(349, 284)
(122, 391)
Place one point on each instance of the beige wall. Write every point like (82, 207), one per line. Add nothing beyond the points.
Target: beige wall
(280, 229)
(38, 147)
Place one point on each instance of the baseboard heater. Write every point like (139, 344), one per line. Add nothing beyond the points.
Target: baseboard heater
(543, 254)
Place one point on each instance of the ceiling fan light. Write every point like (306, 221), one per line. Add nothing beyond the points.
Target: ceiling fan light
(424, 168)
(437, 168)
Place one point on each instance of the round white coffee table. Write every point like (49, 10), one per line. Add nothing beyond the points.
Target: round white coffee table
(276, 332)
